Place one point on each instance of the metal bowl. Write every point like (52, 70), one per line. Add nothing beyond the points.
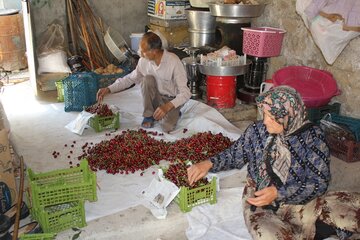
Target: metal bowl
(236, 10)
(200, 19)
(225, 70)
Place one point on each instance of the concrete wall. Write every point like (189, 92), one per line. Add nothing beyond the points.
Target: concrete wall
(45, 12)
(124, 16)
(299, 49)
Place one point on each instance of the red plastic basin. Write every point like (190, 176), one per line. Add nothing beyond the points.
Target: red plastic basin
(315, 86)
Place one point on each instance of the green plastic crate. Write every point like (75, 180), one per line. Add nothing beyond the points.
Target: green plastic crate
(316, 114)
(60, 90)
(62, 186)
(189, 198)
(38, 236)
(101, 123)
(61, 217)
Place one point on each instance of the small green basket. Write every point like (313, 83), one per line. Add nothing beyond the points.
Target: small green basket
(60, 90)
(101, 123)
(189, 198)
(38, 236)
(62, 186)
(61, 217)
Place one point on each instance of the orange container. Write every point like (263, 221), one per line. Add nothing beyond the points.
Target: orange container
(12, 42)
(221, 91)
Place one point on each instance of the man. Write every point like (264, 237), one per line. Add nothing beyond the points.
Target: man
(163, 83)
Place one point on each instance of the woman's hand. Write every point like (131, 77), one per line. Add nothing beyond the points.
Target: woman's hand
(198, 171)
(263, 197)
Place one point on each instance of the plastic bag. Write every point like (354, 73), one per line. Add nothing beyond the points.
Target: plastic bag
(335, 130)
(159, 194)
(78, 125)
(330, 37)
(301, 6)
(52, 39)
(51, 53)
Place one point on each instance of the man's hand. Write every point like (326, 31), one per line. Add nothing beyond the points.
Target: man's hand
(101, 93)
(263, 197)
(161, 111)
(198, 171)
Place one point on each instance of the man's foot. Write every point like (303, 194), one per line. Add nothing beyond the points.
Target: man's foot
(148, 122)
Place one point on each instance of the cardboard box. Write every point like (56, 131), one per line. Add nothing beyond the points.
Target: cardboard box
(175, 36)
(46, 81)
(167, 9)
(168, 23)
(8, 193)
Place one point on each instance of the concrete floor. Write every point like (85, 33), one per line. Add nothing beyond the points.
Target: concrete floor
(139, 223)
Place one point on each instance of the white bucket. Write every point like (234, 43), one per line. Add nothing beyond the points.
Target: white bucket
(116, 44)
(135, 41)
(265, 86)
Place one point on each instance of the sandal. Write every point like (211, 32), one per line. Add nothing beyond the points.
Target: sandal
(149, 120)
(11, 212)
(30, 228)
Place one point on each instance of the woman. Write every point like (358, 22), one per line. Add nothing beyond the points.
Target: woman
(288, 170)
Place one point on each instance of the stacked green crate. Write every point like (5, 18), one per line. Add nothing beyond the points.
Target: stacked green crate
(57, 197)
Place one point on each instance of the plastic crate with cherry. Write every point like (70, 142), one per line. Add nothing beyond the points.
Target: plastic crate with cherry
(343, 136)
(105, 117)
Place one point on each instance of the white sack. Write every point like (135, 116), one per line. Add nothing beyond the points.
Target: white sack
(53, 62)
(330, 37)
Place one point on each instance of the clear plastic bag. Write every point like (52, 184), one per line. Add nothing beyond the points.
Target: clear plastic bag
(335, 130)
(52, 39)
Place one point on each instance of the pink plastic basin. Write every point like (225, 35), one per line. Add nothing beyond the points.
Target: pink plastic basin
(315, 86)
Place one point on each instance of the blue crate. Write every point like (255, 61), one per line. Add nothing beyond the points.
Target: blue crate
(107, 80)
(353, 124)
(80, 91)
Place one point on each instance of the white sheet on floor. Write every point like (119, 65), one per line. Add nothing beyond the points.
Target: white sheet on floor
(223, 220)
(37, 130)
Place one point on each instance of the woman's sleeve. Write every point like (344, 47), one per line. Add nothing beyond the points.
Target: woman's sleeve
(233, 157)
(310, 176)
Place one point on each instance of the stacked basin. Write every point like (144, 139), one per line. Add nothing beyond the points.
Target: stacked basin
(201, 27)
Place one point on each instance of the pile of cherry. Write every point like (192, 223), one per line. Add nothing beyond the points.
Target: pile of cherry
(134, 150)
(100, 109)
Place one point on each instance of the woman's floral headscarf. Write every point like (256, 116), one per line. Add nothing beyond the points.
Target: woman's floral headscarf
(288, 109)
(285, 105)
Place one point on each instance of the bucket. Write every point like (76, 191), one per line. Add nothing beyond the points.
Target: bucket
(221, 91)
(116, 44)
(135, 41)
(201, 38)
(265, 86)
(12, 43)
